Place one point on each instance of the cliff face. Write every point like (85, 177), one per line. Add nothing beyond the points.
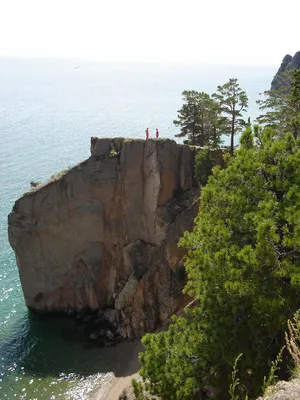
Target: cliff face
(104, 234)
(288, 63)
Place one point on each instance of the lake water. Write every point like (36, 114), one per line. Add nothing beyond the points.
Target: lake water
(49, 109)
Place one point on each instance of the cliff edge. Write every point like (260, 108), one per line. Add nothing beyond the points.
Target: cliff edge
(103, 235)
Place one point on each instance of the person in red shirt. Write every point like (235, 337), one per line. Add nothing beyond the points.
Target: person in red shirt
(147, 133)
(157, 133)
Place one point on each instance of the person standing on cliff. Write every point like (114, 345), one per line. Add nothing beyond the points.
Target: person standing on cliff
(147, 133)
(157, 133)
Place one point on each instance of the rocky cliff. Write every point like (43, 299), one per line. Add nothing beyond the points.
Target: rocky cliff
(103, 235)
(288, 63)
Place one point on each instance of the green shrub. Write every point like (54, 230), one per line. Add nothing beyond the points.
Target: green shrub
(113, 153)
(60, 173)
(203, 166)
(34, 184)
(139, 390)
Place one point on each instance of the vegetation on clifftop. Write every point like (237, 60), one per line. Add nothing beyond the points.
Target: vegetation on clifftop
(203, 119)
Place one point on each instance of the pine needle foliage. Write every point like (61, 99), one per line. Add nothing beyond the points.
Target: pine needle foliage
(243, 269)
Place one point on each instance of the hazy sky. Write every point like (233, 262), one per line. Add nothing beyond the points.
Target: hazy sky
(256, 32)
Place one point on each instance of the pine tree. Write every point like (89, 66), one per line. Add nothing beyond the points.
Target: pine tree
(199, 119)
(232, 102)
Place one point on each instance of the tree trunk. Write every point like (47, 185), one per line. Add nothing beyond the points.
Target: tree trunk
(201, 141)
(295, 133)
(232, 134)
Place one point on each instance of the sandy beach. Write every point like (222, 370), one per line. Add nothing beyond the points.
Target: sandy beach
(126, 371)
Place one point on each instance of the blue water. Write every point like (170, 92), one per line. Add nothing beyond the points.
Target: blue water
(48, 111)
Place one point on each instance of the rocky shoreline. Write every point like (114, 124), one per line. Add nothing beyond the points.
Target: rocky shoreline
(103, 327)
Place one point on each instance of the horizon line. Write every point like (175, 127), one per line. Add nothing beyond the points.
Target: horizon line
(135, 62)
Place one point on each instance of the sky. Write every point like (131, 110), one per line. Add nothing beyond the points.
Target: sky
(248, 32)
